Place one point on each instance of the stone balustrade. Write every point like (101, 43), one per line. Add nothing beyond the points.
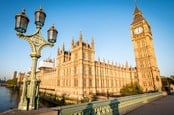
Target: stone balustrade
(117, 106)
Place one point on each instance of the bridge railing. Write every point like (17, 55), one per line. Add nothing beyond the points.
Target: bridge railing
(117, 106)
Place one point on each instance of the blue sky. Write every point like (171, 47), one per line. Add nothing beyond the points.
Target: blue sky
(107, 21)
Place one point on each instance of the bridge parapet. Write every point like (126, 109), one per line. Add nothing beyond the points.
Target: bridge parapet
(117, 106)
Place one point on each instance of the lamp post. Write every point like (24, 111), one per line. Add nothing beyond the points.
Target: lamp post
(30, 92)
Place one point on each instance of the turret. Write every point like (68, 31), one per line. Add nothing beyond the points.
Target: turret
(58, 51)
(126, 65)
(98, 60)
(87, 43)
(72, 42)
(63, 47)
(92, 43)
(103, 60)
(80, 37)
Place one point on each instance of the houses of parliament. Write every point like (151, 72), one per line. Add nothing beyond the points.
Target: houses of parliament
(77, 74)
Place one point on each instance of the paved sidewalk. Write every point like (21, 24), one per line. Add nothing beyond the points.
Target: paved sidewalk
(44, 111)
(162, 106)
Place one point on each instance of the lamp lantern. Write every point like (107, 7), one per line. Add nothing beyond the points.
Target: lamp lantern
(21, 22)
(40, 18)
(52, 34)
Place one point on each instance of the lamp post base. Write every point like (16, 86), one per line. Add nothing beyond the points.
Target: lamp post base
(22, 106)
(25, 107)
(30, 95)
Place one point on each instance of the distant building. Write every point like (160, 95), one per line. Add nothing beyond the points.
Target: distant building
(20, 77)
(14, 75)
(47, 64)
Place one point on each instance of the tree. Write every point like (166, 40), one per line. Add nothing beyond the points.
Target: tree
(12, 82)
(131, 89)
(172, 76)
(166, 81)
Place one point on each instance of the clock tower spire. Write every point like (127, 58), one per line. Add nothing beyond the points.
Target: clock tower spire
(146, 63)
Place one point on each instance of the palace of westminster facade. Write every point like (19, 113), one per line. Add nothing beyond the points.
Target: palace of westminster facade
(77, 74)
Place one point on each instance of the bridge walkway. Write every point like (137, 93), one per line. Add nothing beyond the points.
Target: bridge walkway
(162, 106)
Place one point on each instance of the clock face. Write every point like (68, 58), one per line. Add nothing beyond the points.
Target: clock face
(138, 30)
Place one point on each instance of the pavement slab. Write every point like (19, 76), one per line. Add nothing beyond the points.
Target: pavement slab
(162, 106)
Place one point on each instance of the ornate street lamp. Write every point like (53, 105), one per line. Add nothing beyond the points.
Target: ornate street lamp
(30, 93)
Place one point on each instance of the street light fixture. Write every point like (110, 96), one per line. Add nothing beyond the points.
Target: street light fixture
(40, 18)
(30, 92)
(21, 22)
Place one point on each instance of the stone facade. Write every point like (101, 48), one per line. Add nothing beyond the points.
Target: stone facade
(147, 68)
(77, 74)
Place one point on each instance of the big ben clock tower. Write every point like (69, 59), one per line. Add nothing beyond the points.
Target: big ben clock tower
(146, 63)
